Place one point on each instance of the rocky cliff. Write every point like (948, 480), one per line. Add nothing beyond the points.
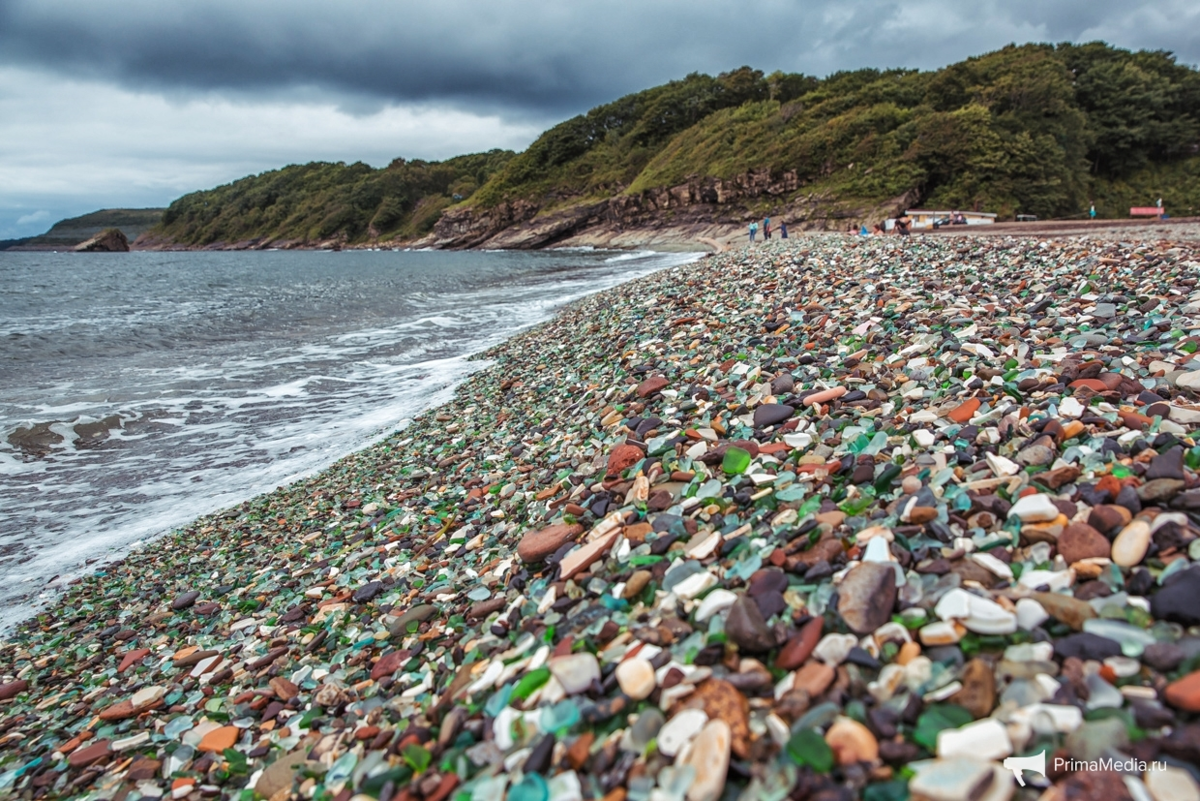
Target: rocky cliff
(699, 208)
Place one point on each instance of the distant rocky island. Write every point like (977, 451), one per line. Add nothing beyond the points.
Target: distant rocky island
(103, 230)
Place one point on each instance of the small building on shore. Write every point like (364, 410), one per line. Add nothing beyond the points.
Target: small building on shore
(925, 218)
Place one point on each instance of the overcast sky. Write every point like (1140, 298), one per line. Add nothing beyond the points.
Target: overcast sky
(133, 103)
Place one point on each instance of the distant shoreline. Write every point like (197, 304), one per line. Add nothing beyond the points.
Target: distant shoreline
(694, 238)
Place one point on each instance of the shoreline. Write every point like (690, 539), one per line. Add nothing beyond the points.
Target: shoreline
(345, 619)
(703, 237)
(55, 573)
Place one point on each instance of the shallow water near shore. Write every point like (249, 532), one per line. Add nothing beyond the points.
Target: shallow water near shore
(139, 391)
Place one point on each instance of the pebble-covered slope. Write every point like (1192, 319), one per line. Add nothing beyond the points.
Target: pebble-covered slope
(834, 518)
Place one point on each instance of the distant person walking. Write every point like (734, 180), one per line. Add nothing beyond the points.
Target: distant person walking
(766, 228)
(783, 230)
(1092, 211)
(753, 231)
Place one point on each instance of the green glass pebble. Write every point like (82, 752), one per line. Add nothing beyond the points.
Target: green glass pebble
(640, 788)
(745, 568)
(531, 787)
(791, 494)
(488, 788)
(807, 747)
(560, 717)
(883, 482)
(341, 769)
(530, 682)
(415, 756)
(679, 572)
(809, 507)
(856, 505)
(177, 726)
(495, 705)
(658, 446)
(896, 790)
(941, 477)
(876, 444)
(1176, 566)
(736, 461)
(936, 718)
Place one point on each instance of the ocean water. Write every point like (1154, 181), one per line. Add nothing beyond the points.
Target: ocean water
(139, 391)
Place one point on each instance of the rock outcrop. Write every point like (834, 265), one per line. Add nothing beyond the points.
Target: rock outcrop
(110, 240)
(700, 206)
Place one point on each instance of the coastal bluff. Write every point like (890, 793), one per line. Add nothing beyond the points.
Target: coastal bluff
(704, 156)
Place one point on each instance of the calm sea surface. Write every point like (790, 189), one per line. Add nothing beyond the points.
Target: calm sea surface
(141, 390)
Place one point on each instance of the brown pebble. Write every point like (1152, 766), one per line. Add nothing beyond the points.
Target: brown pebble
(537, 545)
(636, 583)
(118, 711)
(797, 649)
(578, 751)
(852, 742)
(82, 757)
(622, 458)
(217, 740)
(636, 534)
(1184, 693)
(1108, 518)
(284, 689)
(814, 678)
(720, 700)
(1081, 541)
(444, 787)
(651, 385)
(978, 695)
(920, 515)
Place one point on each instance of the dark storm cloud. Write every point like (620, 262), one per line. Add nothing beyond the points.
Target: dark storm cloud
(537, 57)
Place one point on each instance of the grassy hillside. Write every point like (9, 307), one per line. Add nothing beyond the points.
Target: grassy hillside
(1036, 129)
(321, 201)
(70, 232)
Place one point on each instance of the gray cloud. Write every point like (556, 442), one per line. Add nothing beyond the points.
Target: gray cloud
(542, 55)
(69, 146)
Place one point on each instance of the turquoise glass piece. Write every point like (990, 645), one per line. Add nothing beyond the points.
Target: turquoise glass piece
(561, 717)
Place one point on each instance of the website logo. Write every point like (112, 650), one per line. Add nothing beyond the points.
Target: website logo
(1035, 763)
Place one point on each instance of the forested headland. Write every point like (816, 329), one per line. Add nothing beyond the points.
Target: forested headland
(1035, 129)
